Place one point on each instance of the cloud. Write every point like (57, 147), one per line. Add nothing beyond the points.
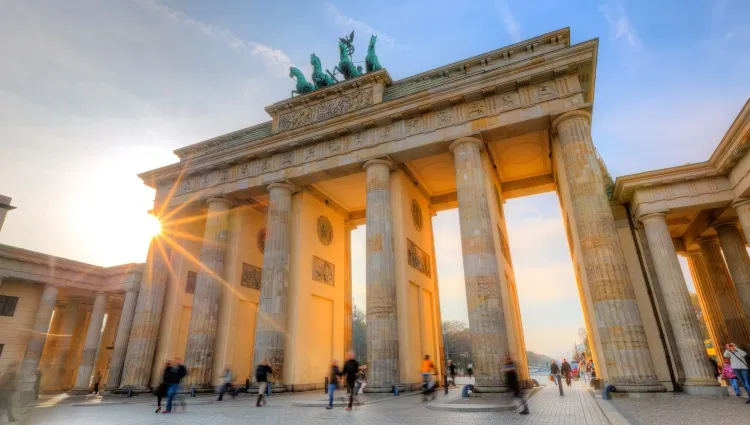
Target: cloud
(358, 26)
(620, 28)
(512, 26)
(274, 59)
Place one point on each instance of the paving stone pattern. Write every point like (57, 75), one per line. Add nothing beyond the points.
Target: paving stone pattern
(668, 409)
(547, 407)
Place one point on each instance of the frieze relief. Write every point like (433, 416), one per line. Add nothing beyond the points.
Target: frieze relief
(251, 276)
(399, 128)
(418, 258)
(326, 110)
(323, 271)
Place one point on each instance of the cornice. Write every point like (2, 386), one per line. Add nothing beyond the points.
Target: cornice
(532, 70)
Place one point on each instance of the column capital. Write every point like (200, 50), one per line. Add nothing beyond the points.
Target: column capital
(220, 200)
(474, 140)
(382, 161)
(572, 114)
(280, 185)
(706, 240)
(690, 254)
(348, 225)
(650, 216)
(741, 202)
(725, 222)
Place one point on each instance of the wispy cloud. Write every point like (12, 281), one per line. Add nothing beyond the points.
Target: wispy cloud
(620, 28)
(358, 26)
(512, 26)
(275, 59)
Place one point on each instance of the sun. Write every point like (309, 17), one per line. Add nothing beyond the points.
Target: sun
(151, 226)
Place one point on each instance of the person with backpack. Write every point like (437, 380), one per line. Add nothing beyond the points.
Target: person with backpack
(554, 372)
(566, 370)
(738, 362)
(333, 382)
(161, 391)
(511, 380)
(261, 376)
(730, 377)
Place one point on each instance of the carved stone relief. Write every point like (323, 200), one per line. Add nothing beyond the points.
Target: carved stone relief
(323, 271)
(251, 276)
(416, 214)
(418, 258)
(261, 240)
(326, 110)
(325, 230)
(428, 121)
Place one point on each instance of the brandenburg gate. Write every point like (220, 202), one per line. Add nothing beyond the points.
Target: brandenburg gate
(254, 261)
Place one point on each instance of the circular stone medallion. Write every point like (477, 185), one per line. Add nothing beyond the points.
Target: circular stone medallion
(262, 240)
(416, 214)
(325, 230)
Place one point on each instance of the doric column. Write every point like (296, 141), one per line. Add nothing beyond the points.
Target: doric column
(440, 362)
(60, 356)
(708, 300)
(37, 338)
(204, 319)
(622, 336)
(742, 208)
(271, 326)
(687, 335)
(723, 287)
(382, 329)
(489, 342)
(348, 287)
(738, 262)
(91, 345)
(121, 340)
(139, 355)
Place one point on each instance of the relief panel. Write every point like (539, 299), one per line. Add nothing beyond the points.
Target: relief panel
(418, 258)
(251, 276)
(323, 271)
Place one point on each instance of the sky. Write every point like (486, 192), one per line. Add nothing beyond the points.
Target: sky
(93, 92)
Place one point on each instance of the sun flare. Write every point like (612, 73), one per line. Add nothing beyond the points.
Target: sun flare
(151, 226)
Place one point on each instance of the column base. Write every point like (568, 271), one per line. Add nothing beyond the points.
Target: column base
(637, 387)
(137, 389)
(485, 385)
(80, 391)
(703, 388)
(382, 388)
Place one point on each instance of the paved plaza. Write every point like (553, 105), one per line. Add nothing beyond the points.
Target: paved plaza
(577, 407)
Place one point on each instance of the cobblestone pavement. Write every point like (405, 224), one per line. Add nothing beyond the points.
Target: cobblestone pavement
(670, 409)
(547, 407)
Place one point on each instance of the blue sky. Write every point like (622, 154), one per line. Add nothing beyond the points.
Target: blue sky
(93, 92)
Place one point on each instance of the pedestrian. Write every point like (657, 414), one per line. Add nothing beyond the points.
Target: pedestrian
(452, 371)
(511, 380)
(739, 365)
(361, 378)
(176, 372)
(351, 372)
(715, 367)
(333, 382)
(566, 370)
(161, 391)
(554, 371)
(427, 382)
(470, 369)
(8, 383)
(226, 384)
(583, 370)
(261, 375)
(730, 377)
(97, 381)
(37, 383)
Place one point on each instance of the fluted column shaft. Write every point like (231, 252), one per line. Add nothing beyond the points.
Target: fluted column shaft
(489, 343)
(204, 319)
(708, 300)
(742, 208)
(682, 318)
(382, 325)
(91, 345)
(738, 262)
(139, 355)
(60, 356)
(37, 339)
(723, 287)
(121, 340)
(440, 362)
(271, 325)
(348, 288)
(621, 333)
